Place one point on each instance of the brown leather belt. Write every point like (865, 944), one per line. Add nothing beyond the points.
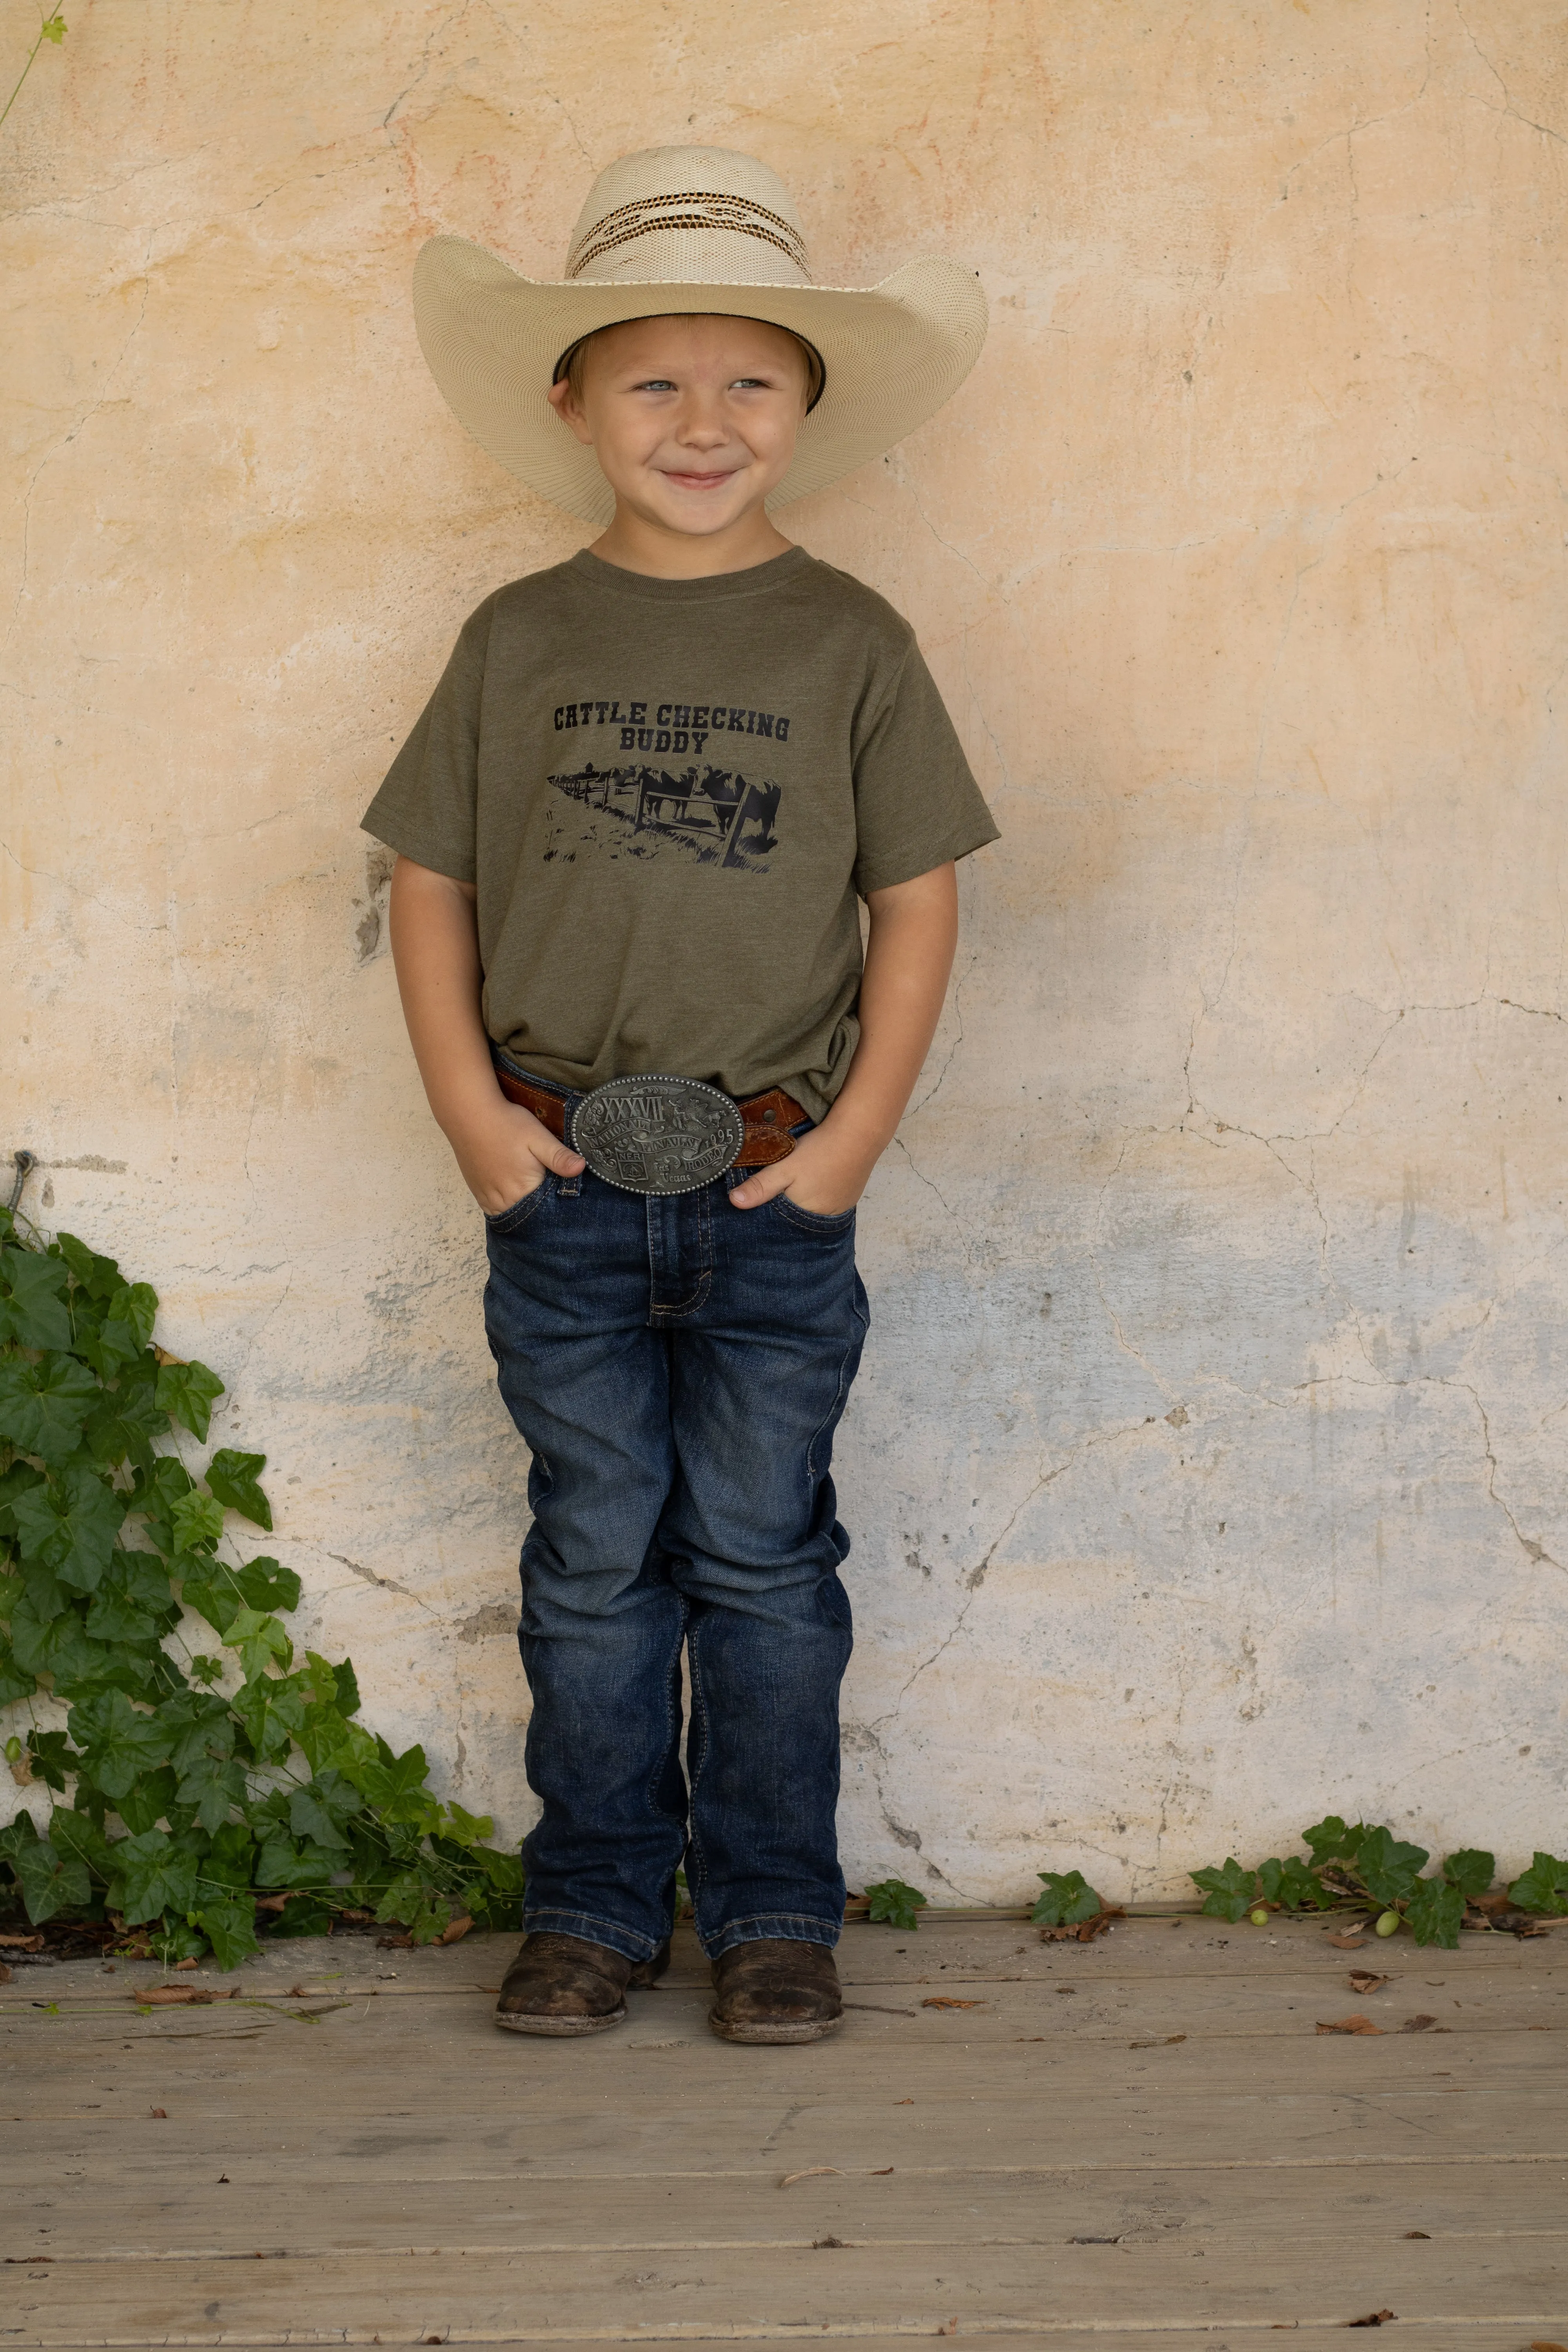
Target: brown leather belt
(767, 1118)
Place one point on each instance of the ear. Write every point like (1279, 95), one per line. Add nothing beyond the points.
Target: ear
(567, 406)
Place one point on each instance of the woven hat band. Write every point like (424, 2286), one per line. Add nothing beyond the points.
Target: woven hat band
(695, 236)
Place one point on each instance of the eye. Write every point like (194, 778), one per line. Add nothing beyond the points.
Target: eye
(751, 383)
(655, 384)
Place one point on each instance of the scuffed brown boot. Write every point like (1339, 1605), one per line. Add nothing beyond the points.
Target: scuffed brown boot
(559, 1984)
(775, 1991)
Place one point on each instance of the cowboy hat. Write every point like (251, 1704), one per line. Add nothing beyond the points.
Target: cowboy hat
(689, 229)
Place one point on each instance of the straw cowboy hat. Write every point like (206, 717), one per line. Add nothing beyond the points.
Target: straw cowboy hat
(689, 229)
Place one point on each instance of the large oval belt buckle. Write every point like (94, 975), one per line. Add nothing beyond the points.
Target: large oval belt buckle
(656, 1134)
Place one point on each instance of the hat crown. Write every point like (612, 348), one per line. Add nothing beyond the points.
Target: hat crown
(691, 216)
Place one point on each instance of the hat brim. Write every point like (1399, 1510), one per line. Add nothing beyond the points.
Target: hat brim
(892, 354)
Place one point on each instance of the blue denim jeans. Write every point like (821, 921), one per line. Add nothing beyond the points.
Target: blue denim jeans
(677, 1368)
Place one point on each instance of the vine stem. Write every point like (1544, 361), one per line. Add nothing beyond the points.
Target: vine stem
(26, 69)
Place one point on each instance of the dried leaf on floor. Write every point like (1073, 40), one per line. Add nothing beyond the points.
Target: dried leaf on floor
(811, 2172)
(21, 1943)
(1544, 2344)
(945, 2001)
(159, 2115)
(5, 1973)
(1417, 2024)
(1353, 1943)
(1373, 2319)
(1355, 2023)
(455, 1929)
(1161, 2042)
(1086, 1931)
(1365, 1981)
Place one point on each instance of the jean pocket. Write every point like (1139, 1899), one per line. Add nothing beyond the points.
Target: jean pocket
(507, 1220)
(829, 1229)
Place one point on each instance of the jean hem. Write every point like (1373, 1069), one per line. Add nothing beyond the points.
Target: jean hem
(770, 1927)
(590, 1929)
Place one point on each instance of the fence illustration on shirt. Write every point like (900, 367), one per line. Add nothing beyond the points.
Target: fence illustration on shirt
(724, 817)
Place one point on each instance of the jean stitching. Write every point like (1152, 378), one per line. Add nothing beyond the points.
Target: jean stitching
(699, 1718)
(704, 1283)
(835, 1409)
(589, 1919)
(672, 1724)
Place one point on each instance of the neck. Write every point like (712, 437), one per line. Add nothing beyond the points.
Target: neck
(634, 543)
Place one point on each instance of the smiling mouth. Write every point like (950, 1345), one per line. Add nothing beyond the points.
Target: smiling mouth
(691, 481)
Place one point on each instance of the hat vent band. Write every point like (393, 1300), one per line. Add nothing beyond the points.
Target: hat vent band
(649, 215)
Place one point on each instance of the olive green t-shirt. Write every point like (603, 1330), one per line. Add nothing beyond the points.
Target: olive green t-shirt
(669, 794)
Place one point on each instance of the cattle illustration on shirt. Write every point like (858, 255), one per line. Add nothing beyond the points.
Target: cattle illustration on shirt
(713, 811)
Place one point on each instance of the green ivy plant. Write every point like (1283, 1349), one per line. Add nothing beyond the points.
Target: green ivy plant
(1365, 1866)
(895, 1904)
(52, 27)
(200, 1797)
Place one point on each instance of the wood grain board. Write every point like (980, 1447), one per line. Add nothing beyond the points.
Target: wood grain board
(1124, 2142)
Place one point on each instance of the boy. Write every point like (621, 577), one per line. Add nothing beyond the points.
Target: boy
(631, 827)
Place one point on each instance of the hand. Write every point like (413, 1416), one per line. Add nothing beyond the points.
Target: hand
(508, 1154)
(825, 1175)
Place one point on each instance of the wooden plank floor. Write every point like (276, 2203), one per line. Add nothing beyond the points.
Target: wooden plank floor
(1138, 2138)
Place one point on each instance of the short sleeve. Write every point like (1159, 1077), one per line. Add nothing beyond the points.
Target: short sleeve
(916, 803)
(425, 809)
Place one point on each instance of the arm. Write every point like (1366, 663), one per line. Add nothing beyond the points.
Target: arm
(908, 956)
(502, 1149)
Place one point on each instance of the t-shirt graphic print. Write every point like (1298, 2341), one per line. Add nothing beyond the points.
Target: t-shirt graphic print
(667, 796)
(715, 813)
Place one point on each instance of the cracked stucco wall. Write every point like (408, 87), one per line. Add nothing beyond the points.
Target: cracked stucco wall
(1207, 1465)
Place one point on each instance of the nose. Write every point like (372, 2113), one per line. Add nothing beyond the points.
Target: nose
(700, 425)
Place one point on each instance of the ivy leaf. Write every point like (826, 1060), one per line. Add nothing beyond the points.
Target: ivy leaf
(124, 1424)
(116, 1335)
(230, 1860)
(53, 28)
(32, 1310)
(147, 1803)
(321, 1810)
(394, 1785)
(230, 1928)
(1543, 1887)
(232, 1478)
(117, 1744)
(345, 1686)
(50, 1754)
(1069, 1900)
(1471, 1870)
(1230, 1893)
(465, 1829)
(154, 1491)
(1332, 1840)
(134, 1602)
(50, 1881)
(98, 1277)
(504, 1870)
(212, 1788)
(272, 1709)
(266, 1586)
(258, 1639)
(15, 1682)
(187, 1392)
(1387, 1867)
(156, 1876)
(44, 1406)
(77, 1837)
(69, 1525)
(283, 1863)
(197, 1727)
(414, 1900)
(52, 1644)
(17, 1833)
(1295, 1884)
(197, 1520)
(893, 1901)
(15, 1482)
(214, 1595)
(1435, 1913)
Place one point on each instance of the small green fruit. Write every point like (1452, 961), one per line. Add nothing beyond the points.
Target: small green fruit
(1389, 1923)
(1259, 1917)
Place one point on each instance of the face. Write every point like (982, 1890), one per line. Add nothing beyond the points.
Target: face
(693, 421)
